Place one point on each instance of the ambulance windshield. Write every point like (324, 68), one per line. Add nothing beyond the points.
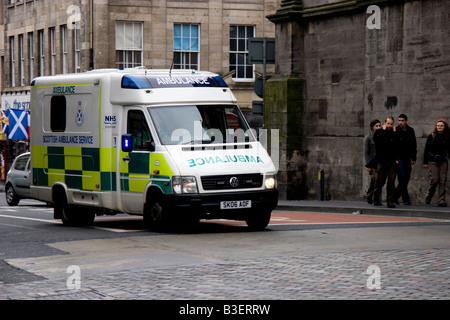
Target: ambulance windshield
(200, 124)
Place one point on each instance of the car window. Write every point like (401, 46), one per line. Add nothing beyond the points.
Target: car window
(21, 163)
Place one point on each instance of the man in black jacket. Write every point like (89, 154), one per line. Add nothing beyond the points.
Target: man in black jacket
(407, 152)
(386, 149)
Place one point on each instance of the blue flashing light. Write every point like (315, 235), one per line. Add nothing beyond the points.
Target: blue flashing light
(134, 82)
(220, 82)
(127, 143)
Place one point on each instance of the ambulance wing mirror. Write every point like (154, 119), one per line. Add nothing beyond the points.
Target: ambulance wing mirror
(149, 145)
(127, 143)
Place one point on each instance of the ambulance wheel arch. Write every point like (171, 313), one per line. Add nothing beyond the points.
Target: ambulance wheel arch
(69, 214)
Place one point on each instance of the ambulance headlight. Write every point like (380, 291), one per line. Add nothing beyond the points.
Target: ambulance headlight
(182, 184)
(270, 182)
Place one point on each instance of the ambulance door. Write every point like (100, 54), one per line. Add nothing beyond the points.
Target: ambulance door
(135, 166)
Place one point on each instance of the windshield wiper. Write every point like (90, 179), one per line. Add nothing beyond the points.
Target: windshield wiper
(198, 141)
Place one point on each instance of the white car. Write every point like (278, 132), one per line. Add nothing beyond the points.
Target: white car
(17, 185)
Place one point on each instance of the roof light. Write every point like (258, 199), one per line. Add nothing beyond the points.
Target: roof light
(134, 82)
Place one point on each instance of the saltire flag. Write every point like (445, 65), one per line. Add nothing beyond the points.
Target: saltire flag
(18, 124)
(5, 121)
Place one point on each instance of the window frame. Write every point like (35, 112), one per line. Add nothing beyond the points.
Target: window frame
(12, 53)
(129, 56)
(31, 54)
(183, 56)
(239, 53)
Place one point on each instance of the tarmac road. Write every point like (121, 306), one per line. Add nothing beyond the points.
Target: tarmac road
(301, 255)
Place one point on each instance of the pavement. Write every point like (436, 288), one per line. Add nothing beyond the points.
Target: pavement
(431, 211)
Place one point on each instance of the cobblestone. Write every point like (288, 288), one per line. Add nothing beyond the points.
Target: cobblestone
(411, 275)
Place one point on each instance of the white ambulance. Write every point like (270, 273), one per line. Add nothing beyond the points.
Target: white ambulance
(170, 145)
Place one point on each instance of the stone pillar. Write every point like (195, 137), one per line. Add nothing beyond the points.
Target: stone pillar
(104, 53)
(285, 98)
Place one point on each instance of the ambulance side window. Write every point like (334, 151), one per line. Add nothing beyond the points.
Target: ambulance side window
(138, 127)
(58, 114)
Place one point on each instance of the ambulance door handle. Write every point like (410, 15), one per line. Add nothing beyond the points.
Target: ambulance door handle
(126, 159)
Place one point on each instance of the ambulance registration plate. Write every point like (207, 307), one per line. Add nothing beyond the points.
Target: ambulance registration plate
(239, 204)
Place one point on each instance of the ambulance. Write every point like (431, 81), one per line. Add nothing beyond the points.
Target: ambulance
(169, 145)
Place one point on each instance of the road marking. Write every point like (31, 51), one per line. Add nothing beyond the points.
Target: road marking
(28, 218)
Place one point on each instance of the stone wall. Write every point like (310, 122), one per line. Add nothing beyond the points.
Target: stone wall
(353, 74)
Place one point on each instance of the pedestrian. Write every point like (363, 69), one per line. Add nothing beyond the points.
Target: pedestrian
(370, 158)
(386, 153)
(407, 156)
(435, 158)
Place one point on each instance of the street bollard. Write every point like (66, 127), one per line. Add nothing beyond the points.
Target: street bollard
(321, 179)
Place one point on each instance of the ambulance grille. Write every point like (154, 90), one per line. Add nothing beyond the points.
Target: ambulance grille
(230, 181)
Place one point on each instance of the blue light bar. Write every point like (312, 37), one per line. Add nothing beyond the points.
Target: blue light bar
(174, 81)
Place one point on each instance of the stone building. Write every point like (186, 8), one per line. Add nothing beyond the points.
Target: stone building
(46, 37)
(340, 64)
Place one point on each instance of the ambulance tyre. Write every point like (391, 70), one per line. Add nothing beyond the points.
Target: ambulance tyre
(155, 216)
(258, 220)
(72, 217)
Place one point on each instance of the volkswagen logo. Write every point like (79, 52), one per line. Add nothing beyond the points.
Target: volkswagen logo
(234, 182)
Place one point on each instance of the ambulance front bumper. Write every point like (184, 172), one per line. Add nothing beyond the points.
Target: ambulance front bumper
(234, 205)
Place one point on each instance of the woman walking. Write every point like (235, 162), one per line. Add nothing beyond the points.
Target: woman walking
(370, 157)
(435, 158)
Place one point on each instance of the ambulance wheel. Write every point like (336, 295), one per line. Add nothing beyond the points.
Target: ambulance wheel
(155, 216)
(258, 220)
(76, 218)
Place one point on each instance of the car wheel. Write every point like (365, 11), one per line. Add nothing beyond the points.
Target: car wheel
(11, 197)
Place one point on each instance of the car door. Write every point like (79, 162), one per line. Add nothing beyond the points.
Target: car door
(21, 176)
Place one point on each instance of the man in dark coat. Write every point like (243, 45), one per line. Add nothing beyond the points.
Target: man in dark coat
(386, 149)
(407, 152)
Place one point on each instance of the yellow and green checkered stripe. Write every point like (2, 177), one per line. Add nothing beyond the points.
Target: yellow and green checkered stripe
(136, 174)
(77, 167)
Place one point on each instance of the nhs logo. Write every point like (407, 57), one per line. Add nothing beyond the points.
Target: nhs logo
(110, 121)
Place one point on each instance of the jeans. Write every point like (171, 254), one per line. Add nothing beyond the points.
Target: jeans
(404, 169)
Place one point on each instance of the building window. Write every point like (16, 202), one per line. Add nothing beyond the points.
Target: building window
(129, 44)
(186, 46)
(31, 54)
(64, 52)
(21, 61)
(41, 53)
(13, 61)
(52, 51)
(76, 48)
(239, 36)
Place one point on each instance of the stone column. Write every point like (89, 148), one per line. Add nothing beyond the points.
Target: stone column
(285, 98)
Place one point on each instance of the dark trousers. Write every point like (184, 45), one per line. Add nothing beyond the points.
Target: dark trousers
(372, 183)
(385, 171)
(404, 169)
